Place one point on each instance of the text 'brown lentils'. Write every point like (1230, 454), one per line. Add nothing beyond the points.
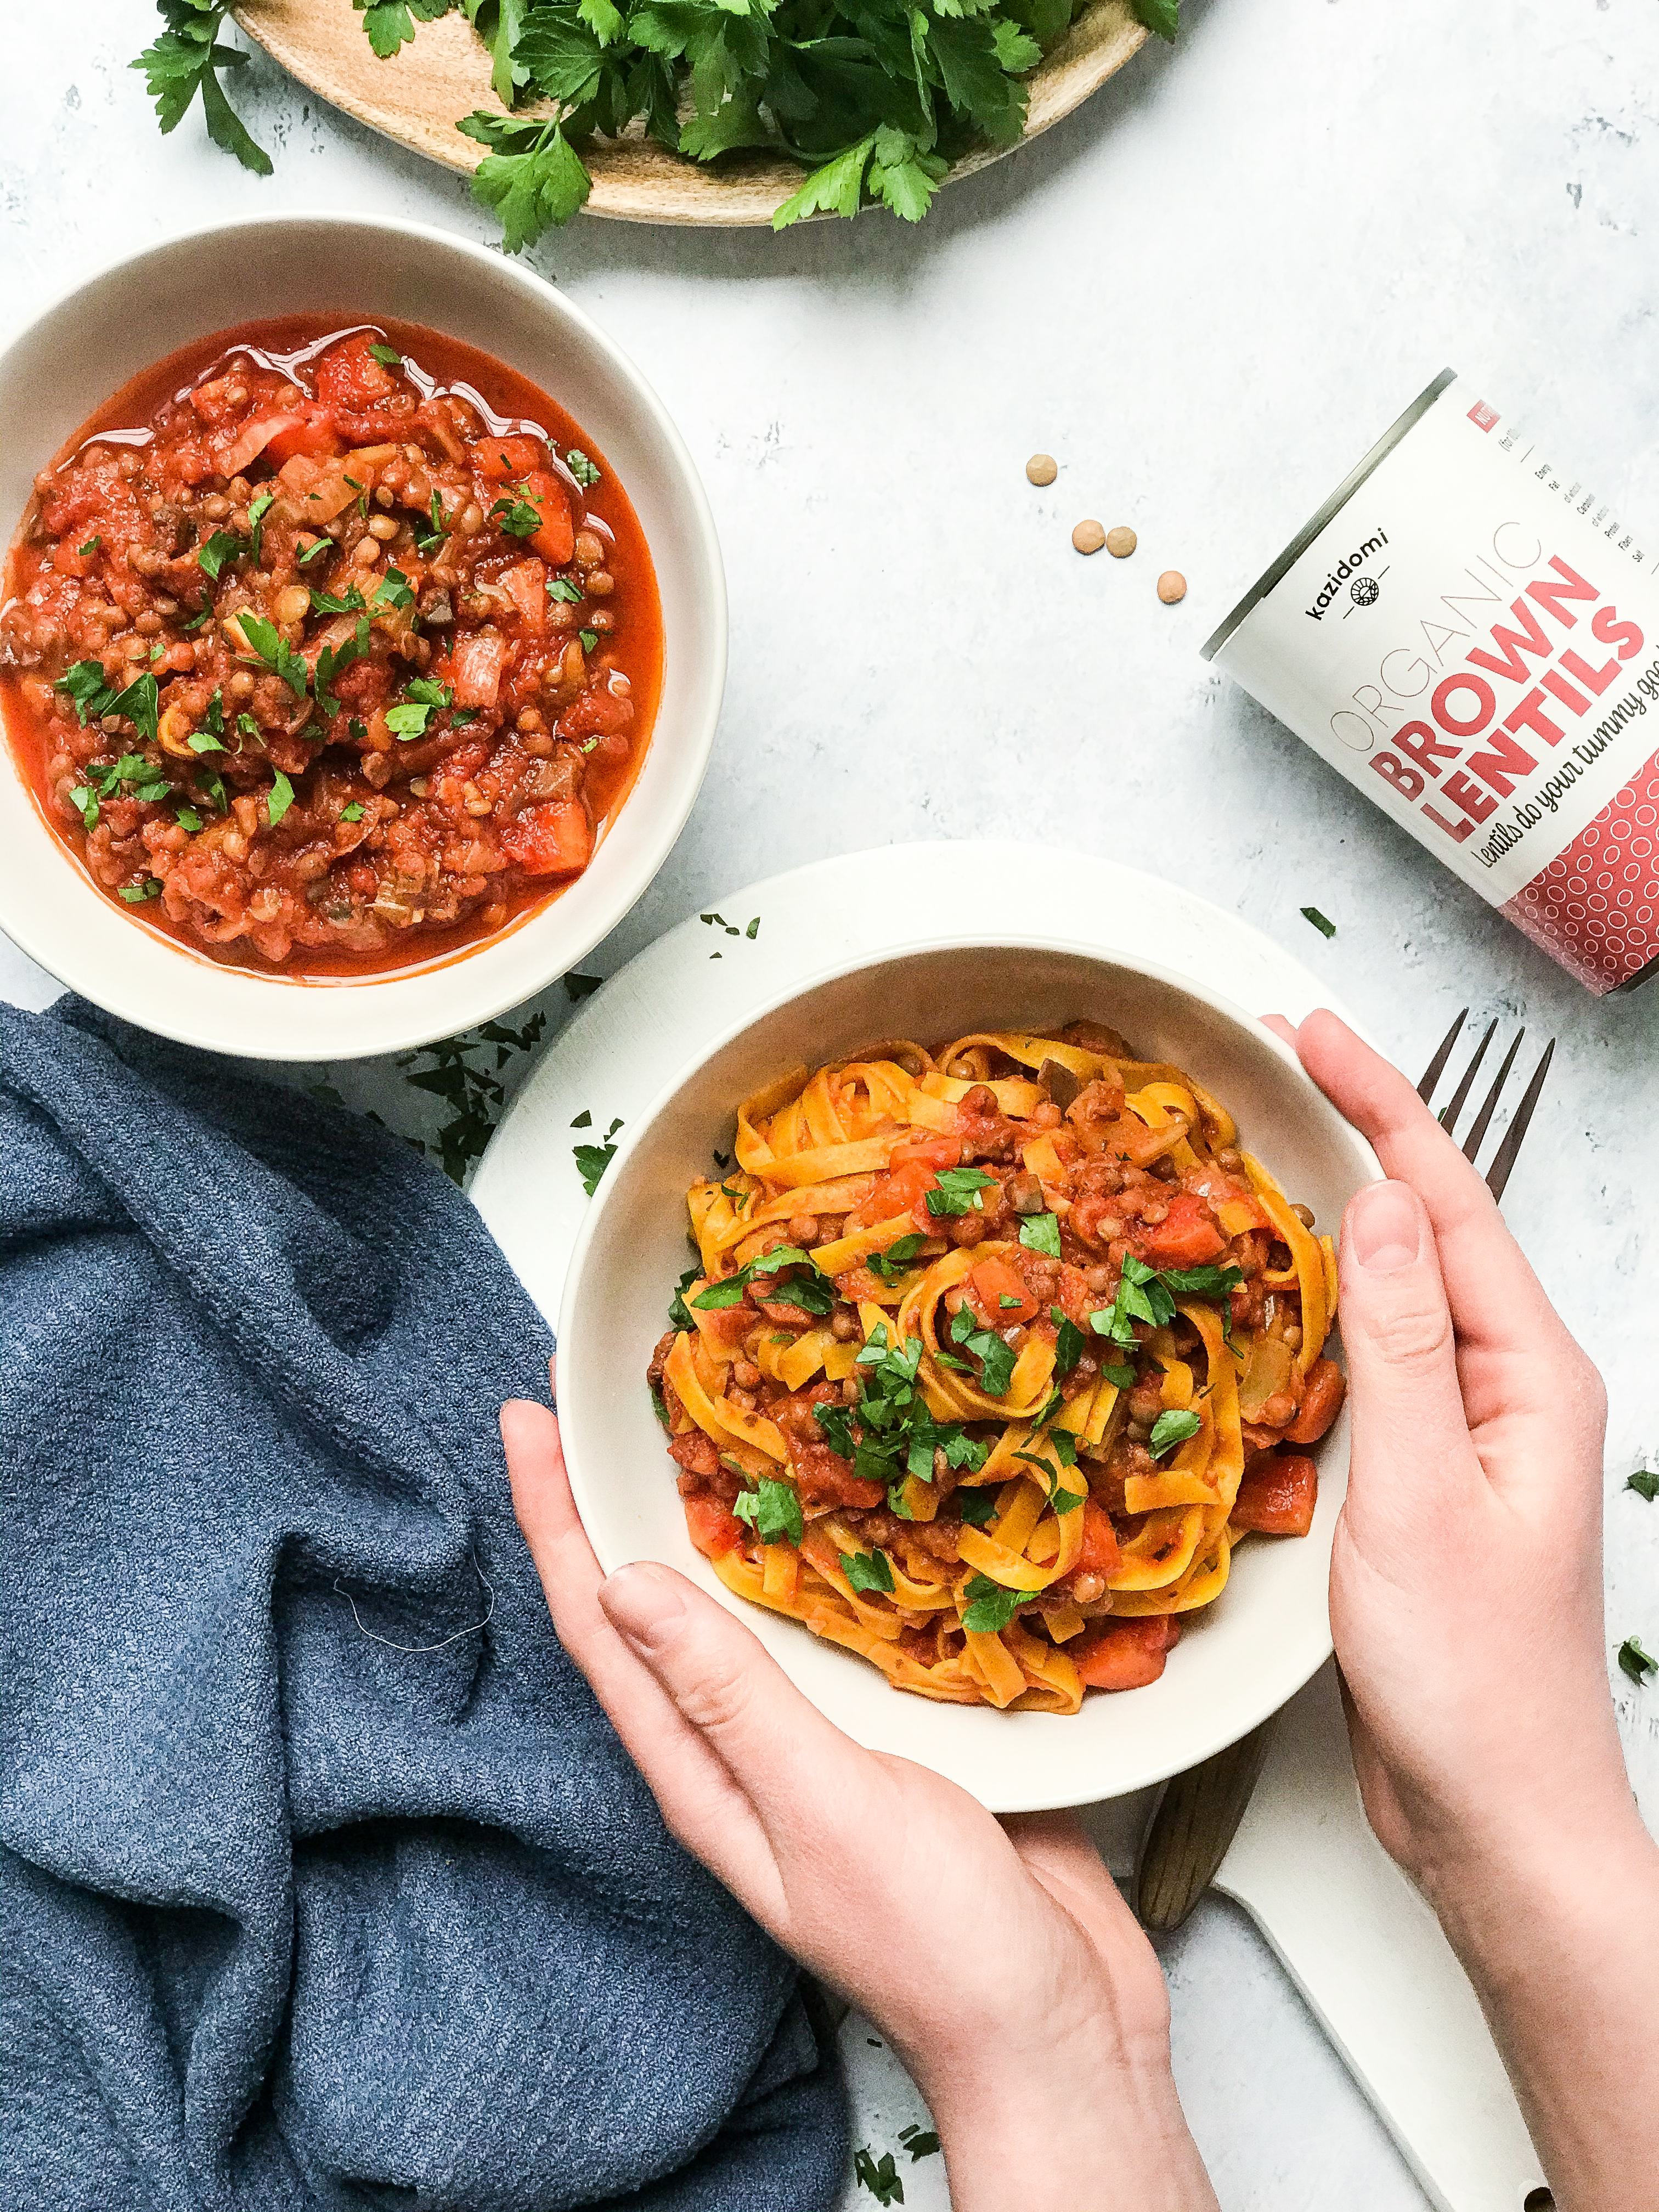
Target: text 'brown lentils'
(1088, 537)
(1040, 469)
(1121, 542)
(1171, 587)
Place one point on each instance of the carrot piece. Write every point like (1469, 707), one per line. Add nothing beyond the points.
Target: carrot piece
(1125, 1654)
(1100, 1555)
(1277, 1496)
(1001, 1294)
(554, 840)
(1186, 1238)
(1321, 1401)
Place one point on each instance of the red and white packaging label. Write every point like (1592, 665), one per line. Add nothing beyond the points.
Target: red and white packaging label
(1473, 641)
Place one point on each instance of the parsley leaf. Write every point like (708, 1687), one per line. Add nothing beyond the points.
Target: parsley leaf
(978, 1506)
(135, 894)
(184, 60)
(517, 517)
(1040, 1232)
(533, 176)
(408, 719)
(867, 1570)
(274, 649)
(257, 510)
(582, 468)
(1326, 928)
(1206, 1282)
(1634, 1661)
(560, 587)
(1161, 17)
(812, 1295)
(393, 591)
(352, 813)
(1171, 1429)
(957, 1191)
(899, 1254)
(996, 1360)
(773, 1511)
(84, 685)
(280, 799)
(388, 356)
(881, 2179)
(678, 1315)
(592, 1160)
(990, 1607)
(1645, 1482)
(349, 602)
(213, 553)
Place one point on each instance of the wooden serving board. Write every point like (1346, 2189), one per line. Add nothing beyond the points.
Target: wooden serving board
(418, 95)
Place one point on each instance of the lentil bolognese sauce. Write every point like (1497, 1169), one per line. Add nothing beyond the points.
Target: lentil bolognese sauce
(330, 648)
(990, 1356)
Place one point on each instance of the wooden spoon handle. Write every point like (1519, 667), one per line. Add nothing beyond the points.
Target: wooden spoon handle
(1197, 1818)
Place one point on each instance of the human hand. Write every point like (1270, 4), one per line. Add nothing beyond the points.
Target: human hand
(998, 1960)
(1467, 1610)
(1465, 1577)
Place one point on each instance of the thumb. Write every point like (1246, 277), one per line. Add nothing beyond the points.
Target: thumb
(1411, 1436)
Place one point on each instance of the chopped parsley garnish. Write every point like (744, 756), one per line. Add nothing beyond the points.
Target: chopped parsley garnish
(408, 719)
(204, 741)
(996, 1360)
(990, 1607)
(1070, 1342)
(753, 930)
(1325, 926)
(393, 591)
(352, 813)
(247, 728)
(578, 985)
(773, 1511)
(585, 1120)
(897, 1436)
(307, 554)
(388, 356)
(1645, 1482)
(588, 639)
(678, 1317)
(85, 806)
(1634, 1661)
(1206, 1282)
(333, 659)
(280, 799)
(516, 517)
(188, 818)
(84, 685)
(582, 468)
(257, 510)
(361, 491)
(978, 1506)
(135, 894)
(274, 649)
(347, 602)
(1040, 1232)
(560, 587)
(899, 1254)
(212, 553)
(91, 546)
(812, 1295)
(1145, 1295)
(921, 2142)
(1171, 1429)
(867, 1570)
(957, 1191)
(429, 541)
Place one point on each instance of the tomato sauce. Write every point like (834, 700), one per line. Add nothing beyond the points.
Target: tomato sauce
(330, 650)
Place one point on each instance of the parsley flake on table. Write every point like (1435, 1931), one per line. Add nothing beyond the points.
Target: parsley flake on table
(1321, 922)
(1633, 1661)
(957, 1191)
(921, 2142)
(773, 1511)
(880, 2177)
(1644, 1481)
(577, 986)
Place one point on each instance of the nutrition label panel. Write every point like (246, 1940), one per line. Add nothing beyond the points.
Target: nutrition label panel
(1573, 494)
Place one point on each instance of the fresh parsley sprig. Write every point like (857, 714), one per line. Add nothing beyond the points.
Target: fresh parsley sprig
(773, 1511)
(811, 1294)
(185, 59)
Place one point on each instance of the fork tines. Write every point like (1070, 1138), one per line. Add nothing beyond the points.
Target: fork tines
(1497, 1174)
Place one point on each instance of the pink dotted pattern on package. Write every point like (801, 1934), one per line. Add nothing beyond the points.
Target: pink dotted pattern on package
(1595, 907)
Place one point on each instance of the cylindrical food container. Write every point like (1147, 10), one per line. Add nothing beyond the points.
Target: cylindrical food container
(1472, 640)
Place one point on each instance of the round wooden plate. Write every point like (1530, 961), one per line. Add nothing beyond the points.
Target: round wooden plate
(417, 95)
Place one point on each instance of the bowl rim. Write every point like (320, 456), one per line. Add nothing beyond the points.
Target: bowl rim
(1309, 1650)
(163, 1004)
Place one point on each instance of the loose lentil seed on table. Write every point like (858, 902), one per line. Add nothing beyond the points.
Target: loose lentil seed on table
(1121, 541)
(1089, 537)
(1042, 469)
(1171, 587)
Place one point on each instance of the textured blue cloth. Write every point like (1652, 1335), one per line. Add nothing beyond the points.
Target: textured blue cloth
(288, 1918)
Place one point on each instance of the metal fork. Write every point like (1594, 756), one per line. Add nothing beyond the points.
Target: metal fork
(1200, 1811)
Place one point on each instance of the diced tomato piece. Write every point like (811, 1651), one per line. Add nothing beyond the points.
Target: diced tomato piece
(501, 461)
(1125, 1654)
(1321, 1401)
(596, 714)
(525, 584)
(348, 377)
(475, 668)
(1277, 1496)
(1186, 1238)
(912, 1171)
(711, 1528)
(553, 839)
(555, 540)
(311, 434)
(1000, 1292)
(1100, 1555)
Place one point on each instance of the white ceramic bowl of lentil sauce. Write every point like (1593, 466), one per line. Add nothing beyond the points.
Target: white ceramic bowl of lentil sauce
(364, 641)
(1241, 1657)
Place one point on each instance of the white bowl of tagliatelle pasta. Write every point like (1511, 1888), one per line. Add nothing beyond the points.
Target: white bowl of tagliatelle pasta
(966, 1322)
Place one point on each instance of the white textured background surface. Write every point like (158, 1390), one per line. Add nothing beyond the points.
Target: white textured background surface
(1206, 294)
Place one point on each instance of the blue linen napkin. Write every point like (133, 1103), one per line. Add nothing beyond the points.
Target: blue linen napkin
(292, 1918)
